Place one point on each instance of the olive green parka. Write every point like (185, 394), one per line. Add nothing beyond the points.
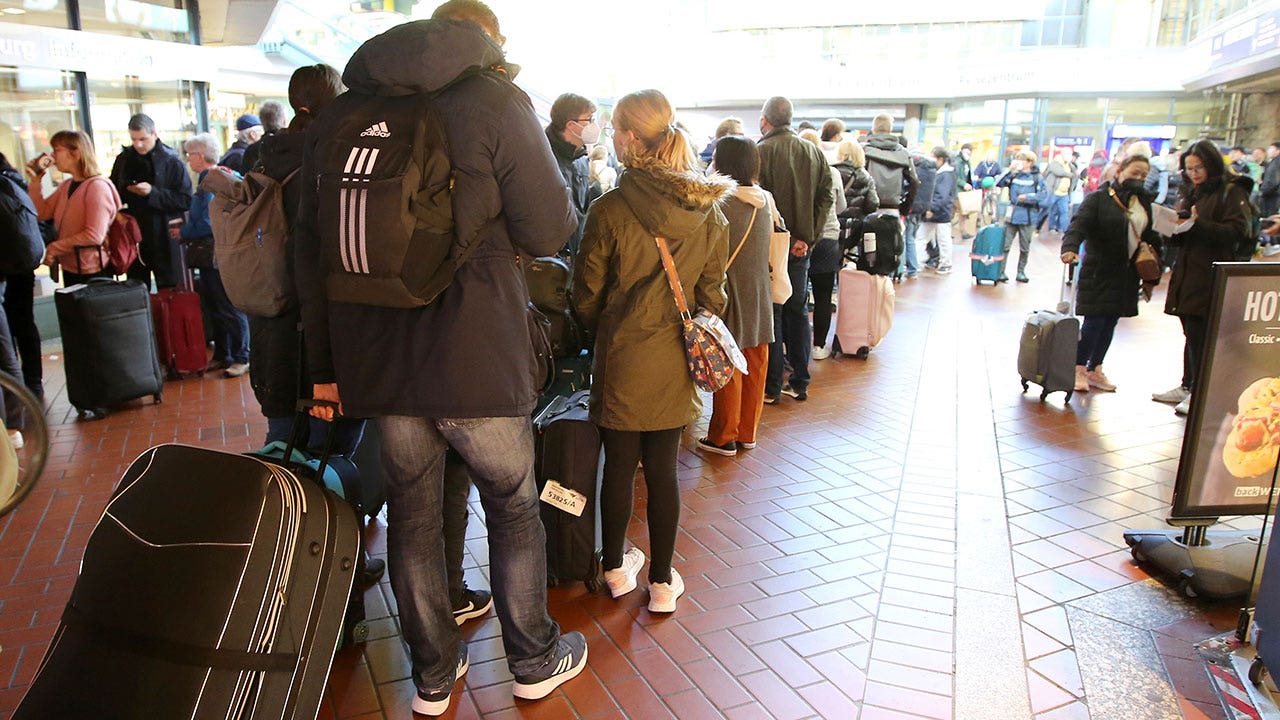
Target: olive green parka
(640, 379)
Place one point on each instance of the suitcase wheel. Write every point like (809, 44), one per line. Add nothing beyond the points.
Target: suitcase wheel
(1025, 385)
(1044, 395)
(593, 585)
(1069, 394)
(90, 414)
(862, 353)
(358, 633)
(1257, 671)
(157, 399)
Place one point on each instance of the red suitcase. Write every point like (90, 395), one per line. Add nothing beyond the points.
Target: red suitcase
(179, 330)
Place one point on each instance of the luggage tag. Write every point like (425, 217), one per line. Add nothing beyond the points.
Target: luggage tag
(559, 496)
(869, 242)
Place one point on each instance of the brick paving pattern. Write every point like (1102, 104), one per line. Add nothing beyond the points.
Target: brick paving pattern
(917, 540)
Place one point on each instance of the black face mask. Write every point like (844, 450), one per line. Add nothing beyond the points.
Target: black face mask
(1131, 186)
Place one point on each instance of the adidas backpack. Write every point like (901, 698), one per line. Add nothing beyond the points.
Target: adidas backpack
(251, 240)
(384, 196)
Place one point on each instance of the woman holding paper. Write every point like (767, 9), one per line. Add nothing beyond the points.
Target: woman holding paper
(1110, 224)
(1215, 206)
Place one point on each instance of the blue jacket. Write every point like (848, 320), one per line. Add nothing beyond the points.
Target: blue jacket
(1028, 183)
(943, 203)
(197, 225)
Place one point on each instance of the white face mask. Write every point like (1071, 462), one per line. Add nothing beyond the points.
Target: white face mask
(590, 134)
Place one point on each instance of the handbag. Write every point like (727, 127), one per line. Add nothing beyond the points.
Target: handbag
(779, 253)
(709, 347)
(1147, 262)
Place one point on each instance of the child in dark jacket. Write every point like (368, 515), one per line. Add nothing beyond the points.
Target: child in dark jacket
(1026, 191)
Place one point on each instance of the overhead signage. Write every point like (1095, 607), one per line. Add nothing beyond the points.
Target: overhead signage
(1164, 132)
(30, 46)
(1251, 37)
(1072, 140)
(1232, 440)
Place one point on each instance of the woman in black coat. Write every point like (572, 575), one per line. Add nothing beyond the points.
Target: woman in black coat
(1109, 223)
(1217, 203)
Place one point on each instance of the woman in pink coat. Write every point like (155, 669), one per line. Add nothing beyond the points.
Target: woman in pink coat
(82, 207)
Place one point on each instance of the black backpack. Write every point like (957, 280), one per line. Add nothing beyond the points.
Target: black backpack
(878, 243)
(384, 184)
(21, 242)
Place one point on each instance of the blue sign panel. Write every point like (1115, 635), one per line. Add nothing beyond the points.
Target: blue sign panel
(1252, 37)
(1071, 140)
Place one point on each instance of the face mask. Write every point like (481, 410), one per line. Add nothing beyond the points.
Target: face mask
(1131, 186)
(590, 133)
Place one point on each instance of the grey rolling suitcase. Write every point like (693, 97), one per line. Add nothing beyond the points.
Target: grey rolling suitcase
(1047, 351)
(214, 586)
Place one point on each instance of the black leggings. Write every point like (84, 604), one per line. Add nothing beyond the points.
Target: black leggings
(623, 450)
(823, 284)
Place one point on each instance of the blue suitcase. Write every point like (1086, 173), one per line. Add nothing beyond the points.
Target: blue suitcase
(987, 254)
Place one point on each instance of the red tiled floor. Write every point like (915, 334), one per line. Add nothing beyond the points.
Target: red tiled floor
(823, 568)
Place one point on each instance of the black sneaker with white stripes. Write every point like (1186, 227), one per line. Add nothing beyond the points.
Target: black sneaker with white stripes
(569, 659)
(436, 703)
(474, 604)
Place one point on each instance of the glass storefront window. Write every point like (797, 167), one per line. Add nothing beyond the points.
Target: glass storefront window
(112, 102)
(1138, 111)
(987, 112)
(148, 19)
(34, 104)
(46, 13)
(1075, 111)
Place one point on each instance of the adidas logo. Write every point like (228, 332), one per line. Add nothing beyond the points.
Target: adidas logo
(377, 130)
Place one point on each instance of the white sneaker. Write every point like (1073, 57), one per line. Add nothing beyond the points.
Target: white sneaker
(622, 580)
(1184, 407)
(15, 439)
(662, 596)
(820, 353)
(1174, 396)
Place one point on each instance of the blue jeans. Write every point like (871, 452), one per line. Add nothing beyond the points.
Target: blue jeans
(230, 326)
(499, 453)
(1059, 212)
(911, 226)
(791, 331)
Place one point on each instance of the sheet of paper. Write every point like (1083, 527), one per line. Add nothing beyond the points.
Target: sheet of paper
(1165, 221)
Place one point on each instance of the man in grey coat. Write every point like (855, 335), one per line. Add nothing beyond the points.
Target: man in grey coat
(429, 375)
(797, 175)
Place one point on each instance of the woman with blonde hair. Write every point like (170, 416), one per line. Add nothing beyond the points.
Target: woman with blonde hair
(82, 207)
(642, 395)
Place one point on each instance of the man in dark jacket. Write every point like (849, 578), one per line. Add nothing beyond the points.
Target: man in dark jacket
(573, 127)
(430, 376)
(926, 170)
(937, 219)
(248, 131)
(891, 166)
(273, 122)
(797, 175)
(1269, 189)
(154, 184)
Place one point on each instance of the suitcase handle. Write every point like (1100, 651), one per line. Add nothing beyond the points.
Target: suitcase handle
(301, 420)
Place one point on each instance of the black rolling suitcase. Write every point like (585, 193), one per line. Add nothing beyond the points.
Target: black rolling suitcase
(110, 344)
(567, 452)
(213, 586)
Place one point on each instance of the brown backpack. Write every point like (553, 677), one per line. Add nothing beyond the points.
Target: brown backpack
(250, 240)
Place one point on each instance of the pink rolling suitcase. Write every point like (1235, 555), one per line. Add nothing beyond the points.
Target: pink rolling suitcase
(865, 311)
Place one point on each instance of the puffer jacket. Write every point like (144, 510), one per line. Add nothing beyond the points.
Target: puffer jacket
(797, 174)
(640, 380)
(895, 174)
(1108, 280)
(1221, 220)
(1029, 184)
(439, 361)
(859, 191)
(927, 173)
(943, 203)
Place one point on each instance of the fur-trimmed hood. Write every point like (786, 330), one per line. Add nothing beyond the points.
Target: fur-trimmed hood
(671, 203)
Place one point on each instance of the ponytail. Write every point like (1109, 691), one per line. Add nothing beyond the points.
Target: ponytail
(648, 115)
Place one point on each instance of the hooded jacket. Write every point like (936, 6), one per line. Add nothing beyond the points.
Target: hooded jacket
(1057, 171)
(576, 169)
(797, 174)
(749, 313)
(640, 381)
(1108, 280)
(1221, 220)
(474, 352)
(943, 201)
(890, 164)
(926, 174)
(1030, 186)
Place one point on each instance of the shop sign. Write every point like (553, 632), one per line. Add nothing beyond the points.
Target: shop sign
(1164, 132)
(1072, 140)
(1232, 440)
(1251, 37)
(102, 55)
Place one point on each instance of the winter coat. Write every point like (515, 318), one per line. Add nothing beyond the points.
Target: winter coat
(1108, 279)
(474, 352)
(1221, 221)
(749, 313)
(943, 201)
(640, 380)
(1269, 189)
(170, 197)
(1164, 186)
(81, 219)
(859, 195)
(1056, 171)
(233, 158)
(797, 175)
(1028, 183)
(827, 256)
(895, 175)
(927, 172)
(575, 166)
(964, 172)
